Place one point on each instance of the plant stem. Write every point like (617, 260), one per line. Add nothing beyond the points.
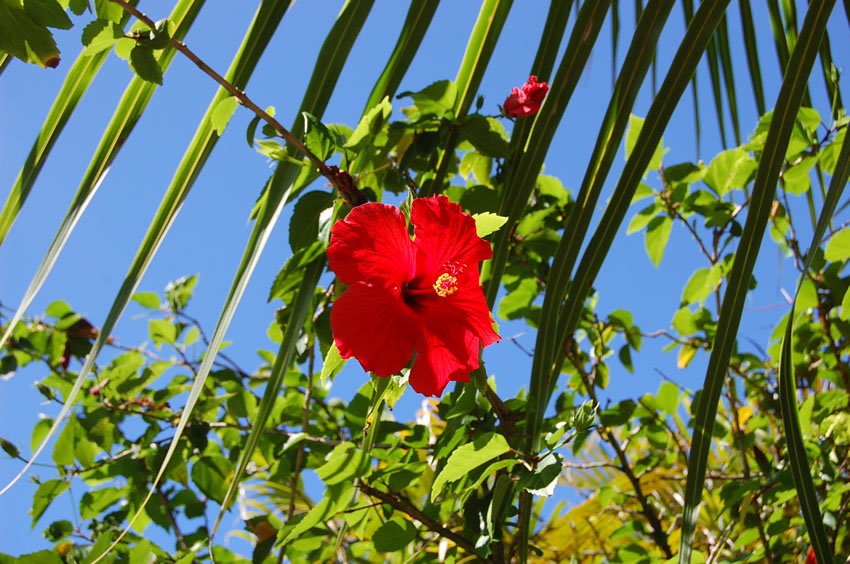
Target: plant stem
(409, 509)
(341, 180)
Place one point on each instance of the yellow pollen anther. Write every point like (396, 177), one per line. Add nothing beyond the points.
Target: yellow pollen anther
(446, 285)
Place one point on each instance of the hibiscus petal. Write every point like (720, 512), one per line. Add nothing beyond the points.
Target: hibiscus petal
(375, 326)
(444, 233)
(453, 331)
(469, 306)
(437, 363)
(372, 245)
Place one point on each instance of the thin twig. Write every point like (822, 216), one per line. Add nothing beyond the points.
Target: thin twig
(181, 541)
(342, 180)
(657, 533)
(409, 509)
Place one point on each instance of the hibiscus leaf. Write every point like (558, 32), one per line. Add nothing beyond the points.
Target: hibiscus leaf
(394, 535)
(542, 480)
(370, 124)
(144, 63)
(468, 457)
(730, 169)
(306, 218)
(437, 99)
(44, 496)
(345, 463)
(318, 138)
(222, 113)
(632, 134)
(289, 278)
(331, 366)
(47, 13)
(486, 134)
(657, 234)
(487, 223)
(22, 37)
(100, 35)
(336, 498)
(516, 303)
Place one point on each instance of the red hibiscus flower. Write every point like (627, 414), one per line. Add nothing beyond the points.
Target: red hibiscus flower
(406, 295)
(526, 100)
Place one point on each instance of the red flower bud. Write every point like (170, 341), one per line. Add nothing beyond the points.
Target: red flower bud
(810, 557)
(525, 100)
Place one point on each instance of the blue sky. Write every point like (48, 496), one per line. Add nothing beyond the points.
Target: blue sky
(210, 234)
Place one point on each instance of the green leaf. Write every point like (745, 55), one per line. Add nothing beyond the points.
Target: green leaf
(100, 35)
(212, 474)
(844, 314)
(317, 137)
(310, 217)
(632, 135)
(657, 234)
(80, 6)
(143, 62)
(436, 99)
(370, 124)
(148, 300)
(38, 432)
(222, 113)
(487, 223)
(393, 535)
(63, 450)
(668, 397)
(828, 156)
(331, 366)
(344, 463)
(618, 414)
(701, 284)
(22, 37)
(251, 131)
(162, 331)
(643, 217)
(468, 457)
(107, 10)
(542, 480)
(516, 303)
(47, 13)
(838, 246)
(730, 169)
(156, 38)
(95, 502)
(44, 496)
(290, 277)
(479, 166)
(142, 552)
(486, 134)
(335, 498)
(686, 355)
(796, 178)
(58, 530)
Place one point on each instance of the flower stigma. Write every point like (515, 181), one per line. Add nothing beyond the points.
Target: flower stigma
(446, 285)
